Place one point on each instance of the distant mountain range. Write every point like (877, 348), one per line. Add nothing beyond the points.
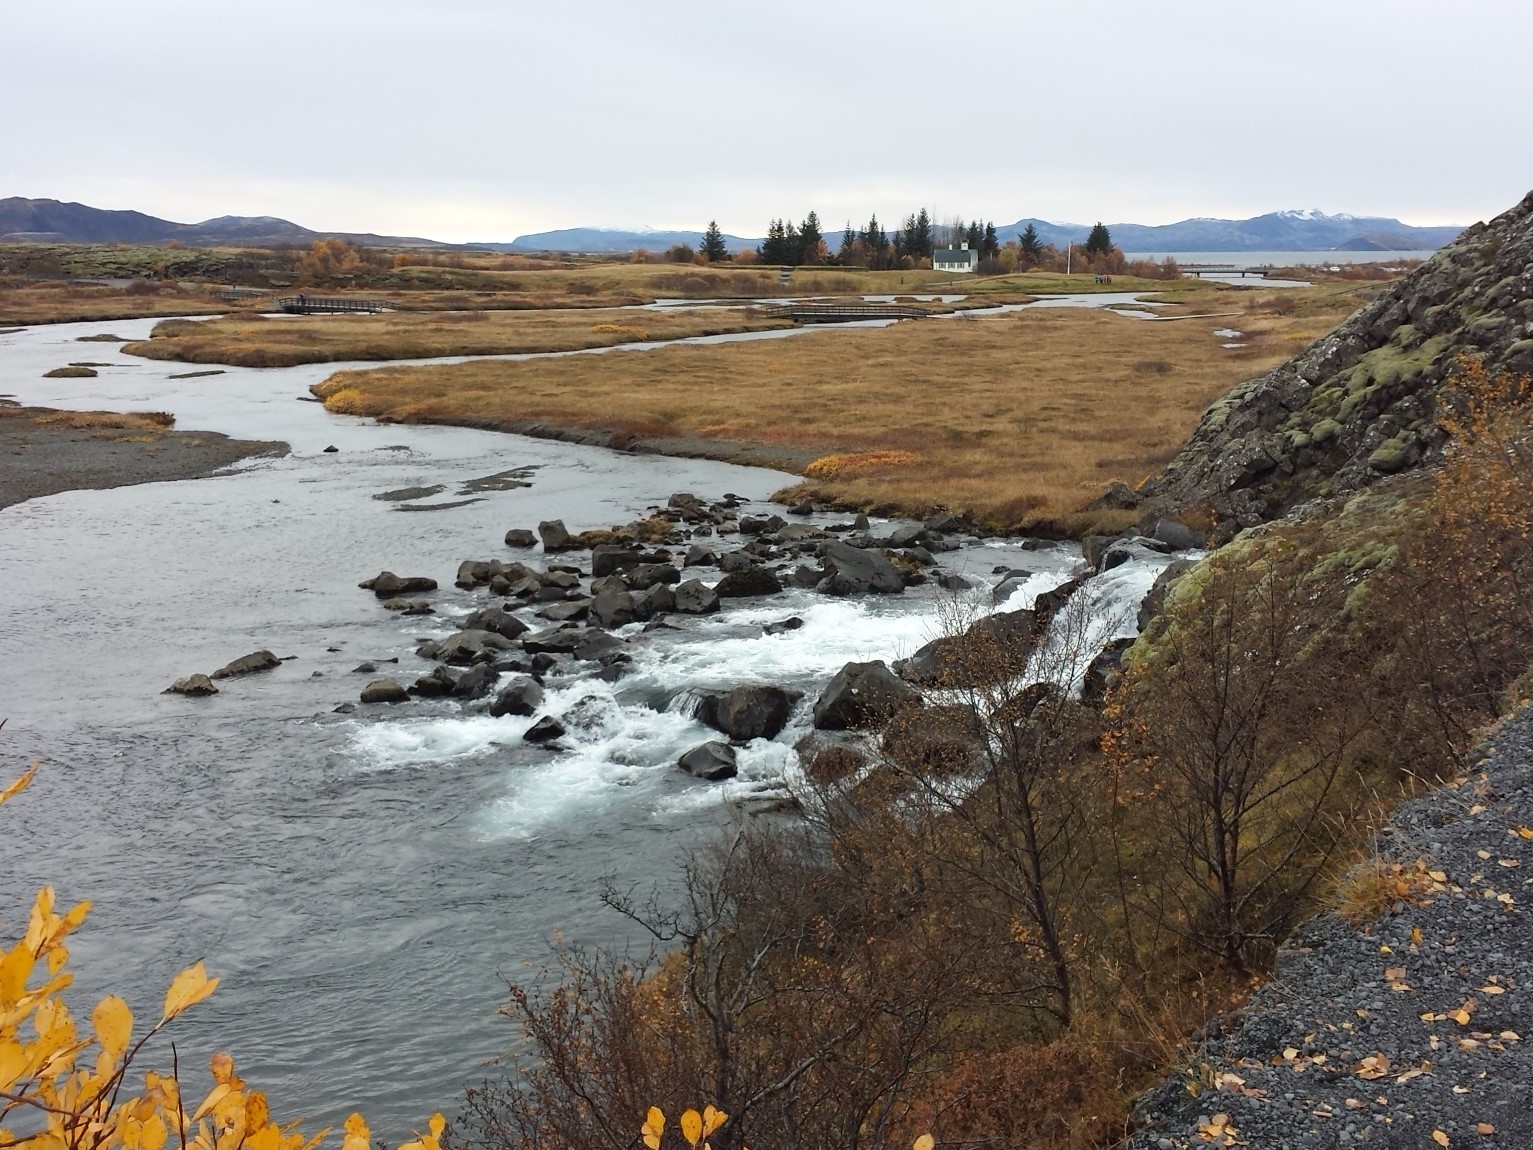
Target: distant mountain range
(1306, 231)
(50, 221)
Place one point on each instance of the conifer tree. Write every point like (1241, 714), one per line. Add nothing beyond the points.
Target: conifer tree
(1030, 243)
(714, 247)
(1099, 242)
(989, 245)
(810, 237)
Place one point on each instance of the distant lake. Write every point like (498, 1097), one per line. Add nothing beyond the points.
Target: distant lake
(1283, 259)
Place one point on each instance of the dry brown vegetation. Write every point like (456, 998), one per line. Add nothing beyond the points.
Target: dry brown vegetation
(1005, 965)
(61, 302)
(90, 420)
(1021, 418)
(255, 341)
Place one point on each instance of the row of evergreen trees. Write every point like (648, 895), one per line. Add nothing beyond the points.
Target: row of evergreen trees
(874, 247)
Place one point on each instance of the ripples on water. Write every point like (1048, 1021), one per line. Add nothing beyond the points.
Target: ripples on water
(359, 882)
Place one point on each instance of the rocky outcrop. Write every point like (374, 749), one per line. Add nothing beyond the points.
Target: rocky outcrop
(856, 571)
(384, 691)
(386, 584)
(1360, 403)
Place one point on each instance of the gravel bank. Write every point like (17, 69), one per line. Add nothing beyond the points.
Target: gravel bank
(1386, 1037)
(43, 459)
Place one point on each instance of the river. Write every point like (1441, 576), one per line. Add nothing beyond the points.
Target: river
(361, 882)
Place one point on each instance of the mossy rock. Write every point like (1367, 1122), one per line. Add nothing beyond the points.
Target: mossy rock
(1324, 431)
(1393, 454)
(70, 372)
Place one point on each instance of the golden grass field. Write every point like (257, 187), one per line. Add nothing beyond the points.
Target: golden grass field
(256, 341)
(1022, 419)
(59, 302)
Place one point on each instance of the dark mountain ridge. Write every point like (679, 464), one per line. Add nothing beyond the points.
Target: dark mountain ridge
(52, 221)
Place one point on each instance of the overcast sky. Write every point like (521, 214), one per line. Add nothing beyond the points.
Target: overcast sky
(485, 119)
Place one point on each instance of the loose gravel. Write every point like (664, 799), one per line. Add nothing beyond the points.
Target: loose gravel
(1414, 1032)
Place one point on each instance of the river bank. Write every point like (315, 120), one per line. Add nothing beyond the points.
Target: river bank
(47, 450)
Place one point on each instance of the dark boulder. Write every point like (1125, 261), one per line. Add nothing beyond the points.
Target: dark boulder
(747, 713)
(555, 536)
(614, 609)
(862, 695)
(742, 584)
(497, 620)
(655, 601)
(522, 697)
(566, 611)
(554, 641)
(384, 691)
(613, 558)
(854, 571)
(462, 647)
(1048, 604)
(1177, 535)
(247, 665)
(440, 681)
(1155, 598)
(713, 761)
(521, 537)
(477, 681)
(694, 597)
(647, 575)
(700, 556)
(599, 647)
(386, 584)
(194, 686)
(545, 730)
(732, 561)
(1104, 671)
(783, 626)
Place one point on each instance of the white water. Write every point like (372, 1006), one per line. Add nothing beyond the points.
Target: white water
(359, 881)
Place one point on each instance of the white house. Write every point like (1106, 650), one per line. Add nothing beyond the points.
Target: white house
(961, 259)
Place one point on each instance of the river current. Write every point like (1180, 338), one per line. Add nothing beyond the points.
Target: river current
(362, 882)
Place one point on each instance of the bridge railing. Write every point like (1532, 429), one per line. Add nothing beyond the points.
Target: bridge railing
(847, 312)
(309, 304)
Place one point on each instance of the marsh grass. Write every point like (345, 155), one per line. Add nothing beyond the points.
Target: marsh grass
(1022, 419)
(257, 342)
(150, 421)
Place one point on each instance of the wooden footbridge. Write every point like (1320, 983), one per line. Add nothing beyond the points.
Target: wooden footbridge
(847, 312)
(1241, 270)
(324, 305)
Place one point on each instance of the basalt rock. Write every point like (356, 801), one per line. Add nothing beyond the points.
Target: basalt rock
(555, 536)
(743, 584)
(386, 584)
(384, 691)
(862, 695)
(694, 597)
(1363, 401)
(247, 665)
(522, 697)
(747, 713)
(713, 761)
(545, 730)
(495, 619)
(521, 537)
(195, 686)
(854, 571)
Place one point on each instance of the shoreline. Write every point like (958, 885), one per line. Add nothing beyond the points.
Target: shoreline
(45, 454)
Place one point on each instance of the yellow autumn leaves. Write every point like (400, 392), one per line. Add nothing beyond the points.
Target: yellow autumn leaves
(694, 1126)
(74, 1100)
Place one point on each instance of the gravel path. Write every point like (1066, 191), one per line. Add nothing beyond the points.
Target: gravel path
(1417, 1032)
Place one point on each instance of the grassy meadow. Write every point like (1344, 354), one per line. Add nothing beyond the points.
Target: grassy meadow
(1022, 418)
(253, 340)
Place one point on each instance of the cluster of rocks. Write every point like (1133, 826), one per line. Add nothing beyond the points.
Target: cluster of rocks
(199, 685)
(576, 615)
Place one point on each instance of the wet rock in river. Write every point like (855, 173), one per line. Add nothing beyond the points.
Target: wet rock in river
(854, 571)
(247, 665)
(495, 619)
(713, 761)
(614, 609)
(741, 584)
(545, 730)
(694, 597)
(386, 584)
(522, 697)
(194, 686)
(747, 713)
(555, 536)
(521, 537)
(384, 691)
(862, 695)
